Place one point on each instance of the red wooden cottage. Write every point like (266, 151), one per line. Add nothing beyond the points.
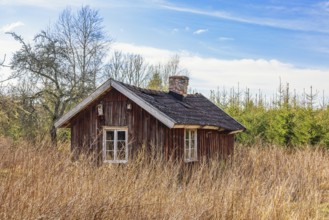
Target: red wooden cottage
(119, 119)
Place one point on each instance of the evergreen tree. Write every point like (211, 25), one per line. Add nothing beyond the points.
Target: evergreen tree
(155, 82)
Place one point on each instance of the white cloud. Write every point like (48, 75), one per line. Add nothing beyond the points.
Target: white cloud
(200, 31)
(299, 24)
(225, 38)
(210, 73)
(153, 55)
(256, 74)
(11, 26)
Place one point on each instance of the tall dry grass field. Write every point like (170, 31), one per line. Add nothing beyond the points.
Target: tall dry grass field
(37, 182)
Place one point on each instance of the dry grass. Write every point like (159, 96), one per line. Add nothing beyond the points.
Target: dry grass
(257, 183)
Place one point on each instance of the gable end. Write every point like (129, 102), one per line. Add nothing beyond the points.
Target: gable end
(65, 119)
(170, 123)
(62, 122)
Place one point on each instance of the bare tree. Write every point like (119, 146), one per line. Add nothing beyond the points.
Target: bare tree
(4, 77)
(171, 68)
(86, 45)
(133, 69)
(63, 62)
(114, 67)
(128, 68)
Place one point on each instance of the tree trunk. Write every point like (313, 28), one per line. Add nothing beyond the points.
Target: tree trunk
(53, 135)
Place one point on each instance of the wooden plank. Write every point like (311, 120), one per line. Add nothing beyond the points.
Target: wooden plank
(63, 121)
(82, 105)
(145, 129)
(165, 119)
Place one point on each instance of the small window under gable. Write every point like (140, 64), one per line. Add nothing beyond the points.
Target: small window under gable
(190, 145)
(115, 144)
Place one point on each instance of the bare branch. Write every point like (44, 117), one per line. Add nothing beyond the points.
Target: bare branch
(3, 61)
(64, 60)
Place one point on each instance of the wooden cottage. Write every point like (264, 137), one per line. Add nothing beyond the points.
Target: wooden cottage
(118, 119)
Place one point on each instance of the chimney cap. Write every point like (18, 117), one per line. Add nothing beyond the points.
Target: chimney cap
(179, 77)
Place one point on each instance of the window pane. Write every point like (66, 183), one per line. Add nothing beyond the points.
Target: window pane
(192, 143)
(192, 135)
(121, 153)
(110, 135)
(186, 154)
(115, 145)
(109, 155)
(193, 153)
(109, 145)
(190, 150)
(187, 134)
(186, 144)
(121, 145)
(121, 135)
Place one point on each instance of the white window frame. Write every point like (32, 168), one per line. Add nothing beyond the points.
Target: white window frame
(190, 157)
(116, 130)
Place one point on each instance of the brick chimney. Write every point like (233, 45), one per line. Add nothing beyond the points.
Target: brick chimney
(178, 84)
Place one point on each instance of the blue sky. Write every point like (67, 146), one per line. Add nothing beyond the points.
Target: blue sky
(222, 43)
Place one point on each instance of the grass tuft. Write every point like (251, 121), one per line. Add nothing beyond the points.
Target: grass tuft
(39, 182)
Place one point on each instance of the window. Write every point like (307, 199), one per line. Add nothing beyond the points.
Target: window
(115, 145)
(190, 146)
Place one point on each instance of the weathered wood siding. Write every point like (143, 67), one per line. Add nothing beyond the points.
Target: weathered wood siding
(214, 144)
(144, 131)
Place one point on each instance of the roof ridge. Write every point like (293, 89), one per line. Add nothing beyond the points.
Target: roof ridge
(193, 109)
(139, 88)
(153, 90)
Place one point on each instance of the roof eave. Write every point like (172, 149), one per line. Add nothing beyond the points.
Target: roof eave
(207, 127)
(237, 131)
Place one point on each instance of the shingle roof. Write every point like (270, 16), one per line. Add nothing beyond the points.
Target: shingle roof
(170, 108)
(193, 109)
